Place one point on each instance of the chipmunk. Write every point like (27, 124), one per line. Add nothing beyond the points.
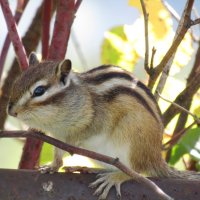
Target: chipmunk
(105, 109)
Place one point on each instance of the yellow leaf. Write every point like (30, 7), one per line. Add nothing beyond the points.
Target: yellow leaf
(159, 17)
(117, 50)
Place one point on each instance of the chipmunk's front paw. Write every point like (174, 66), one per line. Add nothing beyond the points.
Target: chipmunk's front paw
(52, 168)
(47, 169)
(106, 181)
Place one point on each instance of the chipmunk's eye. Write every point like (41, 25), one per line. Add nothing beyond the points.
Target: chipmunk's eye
(39, 91)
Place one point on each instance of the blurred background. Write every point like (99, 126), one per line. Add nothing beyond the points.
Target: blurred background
(112, 32)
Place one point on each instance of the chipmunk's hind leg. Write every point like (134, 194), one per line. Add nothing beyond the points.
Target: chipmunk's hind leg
(106, 181)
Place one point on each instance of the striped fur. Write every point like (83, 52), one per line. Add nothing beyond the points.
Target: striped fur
(111, 81)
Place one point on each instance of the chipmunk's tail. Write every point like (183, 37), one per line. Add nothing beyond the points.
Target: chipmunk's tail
(165, 171)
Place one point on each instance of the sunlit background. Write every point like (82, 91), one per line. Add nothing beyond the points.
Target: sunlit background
(93, 30)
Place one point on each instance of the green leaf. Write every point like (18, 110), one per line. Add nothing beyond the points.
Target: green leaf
(46, 154)
(189, 144)
(117, 50)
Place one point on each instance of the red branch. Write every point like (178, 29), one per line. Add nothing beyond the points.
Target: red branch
(31, 153)
(77, 5)
(20, 7)
(46, 19)
(64, 19)
(14, 36)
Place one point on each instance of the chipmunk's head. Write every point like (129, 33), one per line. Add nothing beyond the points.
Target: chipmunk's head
(41, 92)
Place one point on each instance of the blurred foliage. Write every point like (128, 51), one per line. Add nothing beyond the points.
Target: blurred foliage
(118, 50)
(124, 45)
(188, 144)
(46, 155)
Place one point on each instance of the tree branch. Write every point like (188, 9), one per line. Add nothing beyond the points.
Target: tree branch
(146, 16)
(20, 7)
(152, 58)
(185, 26)
(182, 99)
(46, 19)
(14, 36)
(77, 5)
(180, 107)
(176, 16)
(64, 18)
(75, 150)
(176, 137)
(195, 22)
(30, 41)
(168, 66)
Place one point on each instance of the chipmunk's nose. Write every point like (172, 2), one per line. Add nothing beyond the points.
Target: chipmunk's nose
(11, 111)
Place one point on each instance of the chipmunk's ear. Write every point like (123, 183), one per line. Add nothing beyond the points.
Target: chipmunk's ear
(63, 69)
(33, 59)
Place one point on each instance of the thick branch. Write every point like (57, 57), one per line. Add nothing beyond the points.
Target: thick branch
(14, 36)
(75, 150)
(64, 19)
(46, 19)
(32, 185)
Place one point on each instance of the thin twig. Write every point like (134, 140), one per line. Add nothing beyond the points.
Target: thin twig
(180, 107)
(195, 22)
(176, 137)
(152, 58)
(182, 99)
(176, 16)
(146, 16)
(167, 68)
(14, 36)
(75, 150)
